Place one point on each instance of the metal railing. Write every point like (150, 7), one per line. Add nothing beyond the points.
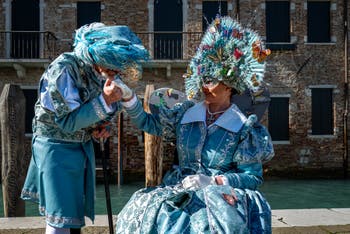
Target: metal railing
(28, 45)
(165, 45)
(170, 45)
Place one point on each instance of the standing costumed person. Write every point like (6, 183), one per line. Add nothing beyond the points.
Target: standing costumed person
(77, 98)
(220, 149)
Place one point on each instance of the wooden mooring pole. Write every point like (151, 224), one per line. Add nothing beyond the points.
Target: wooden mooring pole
(153, 150)
(14, 161)
(120, 149)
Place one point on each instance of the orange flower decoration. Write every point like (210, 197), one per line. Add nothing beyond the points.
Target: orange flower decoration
(217, 21)
(259, 53)
(254, 80)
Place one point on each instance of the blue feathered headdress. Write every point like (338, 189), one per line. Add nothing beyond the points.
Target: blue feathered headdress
(112, 47)
(230, 54)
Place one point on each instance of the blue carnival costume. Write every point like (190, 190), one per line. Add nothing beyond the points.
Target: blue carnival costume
(61, 174)
(234, 147)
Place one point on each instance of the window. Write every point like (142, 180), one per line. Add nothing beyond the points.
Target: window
(318, 21)
(88, 12)
(31, 95)
(168, 25)
(279, 118)
(322, 111)
(277, 21)
(25, 19)
(210, 10)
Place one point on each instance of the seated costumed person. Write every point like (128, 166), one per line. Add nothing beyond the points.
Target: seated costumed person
(77, 98)
(220, 150)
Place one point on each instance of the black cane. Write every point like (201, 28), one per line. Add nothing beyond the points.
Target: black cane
(105, 180)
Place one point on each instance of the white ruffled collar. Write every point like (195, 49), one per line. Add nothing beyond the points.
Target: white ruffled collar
(232, 119)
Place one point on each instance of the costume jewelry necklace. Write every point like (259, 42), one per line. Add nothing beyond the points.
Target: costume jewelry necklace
(212, 116)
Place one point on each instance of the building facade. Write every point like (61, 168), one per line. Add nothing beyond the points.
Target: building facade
(307, 72)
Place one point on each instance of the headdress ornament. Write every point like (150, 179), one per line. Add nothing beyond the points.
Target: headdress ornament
(230, 54)
(112, 47)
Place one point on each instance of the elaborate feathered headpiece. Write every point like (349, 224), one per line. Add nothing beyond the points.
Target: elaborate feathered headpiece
(230, 54)
(112, 47)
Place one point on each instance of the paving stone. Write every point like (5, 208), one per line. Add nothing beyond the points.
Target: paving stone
(299, 230)
(338, 229)
(313, 217)
(292, 221)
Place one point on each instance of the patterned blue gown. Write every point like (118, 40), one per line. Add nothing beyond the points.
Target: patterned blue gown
(234, 146)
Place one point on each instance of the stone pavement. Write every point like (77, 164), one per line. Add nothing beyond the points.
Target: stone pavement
(293, 221)
(311, 221)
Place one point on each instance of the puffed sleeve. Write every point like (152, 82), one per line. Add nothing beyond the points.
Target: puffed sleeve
(253, 149)
(254, 143)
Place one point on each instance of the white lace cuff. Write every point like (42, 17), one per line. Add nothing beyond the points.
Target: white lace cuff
(130, 103)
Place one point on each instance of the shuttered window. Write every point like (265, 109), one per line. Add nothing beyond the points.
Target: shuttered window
(277, 21)
(318, 21)
(279, 118)
(88, 12)
(322, 111)
(210, 10)
(31, 96)
(168, 24)
(25, 18)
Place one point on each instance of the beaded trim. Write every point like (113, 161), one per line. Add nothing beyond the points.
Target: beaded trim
(100, 112)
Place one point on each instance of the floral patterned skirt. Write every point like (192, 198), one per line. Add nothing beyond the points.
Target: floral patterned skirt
(172, 209)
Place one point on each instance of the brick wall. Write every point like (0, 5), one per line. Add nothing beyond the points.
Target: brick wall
(325, 67)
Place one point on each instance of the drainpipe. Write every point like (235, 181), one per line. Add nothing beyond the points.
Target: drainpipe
(346, 88)
(237, 10)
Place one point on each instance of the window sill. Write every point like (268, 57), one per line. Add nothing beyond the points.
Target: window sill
(321, 43)
(322, 136)
(281, 142)
(281, 46)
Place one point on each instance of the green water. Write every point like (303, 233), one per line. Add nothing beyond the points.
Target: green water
(281, 194)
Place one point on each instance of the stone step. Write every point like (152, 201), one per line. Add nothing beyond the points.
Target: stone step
(318, 221)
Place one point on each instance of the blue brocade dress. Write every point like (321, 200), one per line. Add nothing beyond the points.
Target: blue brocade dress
(234, 146)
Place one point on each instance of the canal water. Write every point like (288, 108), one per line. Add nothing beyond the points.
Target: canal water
(281, 194)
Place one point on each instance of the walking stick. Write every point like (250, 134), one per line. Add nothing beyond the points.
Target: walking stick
(105, 179)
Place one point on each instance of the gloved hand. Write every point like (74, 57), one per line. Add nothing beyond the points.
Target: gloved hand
(127, 92)
(198, 181)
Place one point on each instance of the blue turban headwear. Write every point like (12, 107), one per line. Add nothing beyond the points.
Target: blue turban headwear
(111, 47)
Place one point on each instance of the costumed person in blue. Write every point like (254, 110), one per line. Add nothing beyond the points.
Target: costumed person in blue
(220, 149)
(77, 99)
